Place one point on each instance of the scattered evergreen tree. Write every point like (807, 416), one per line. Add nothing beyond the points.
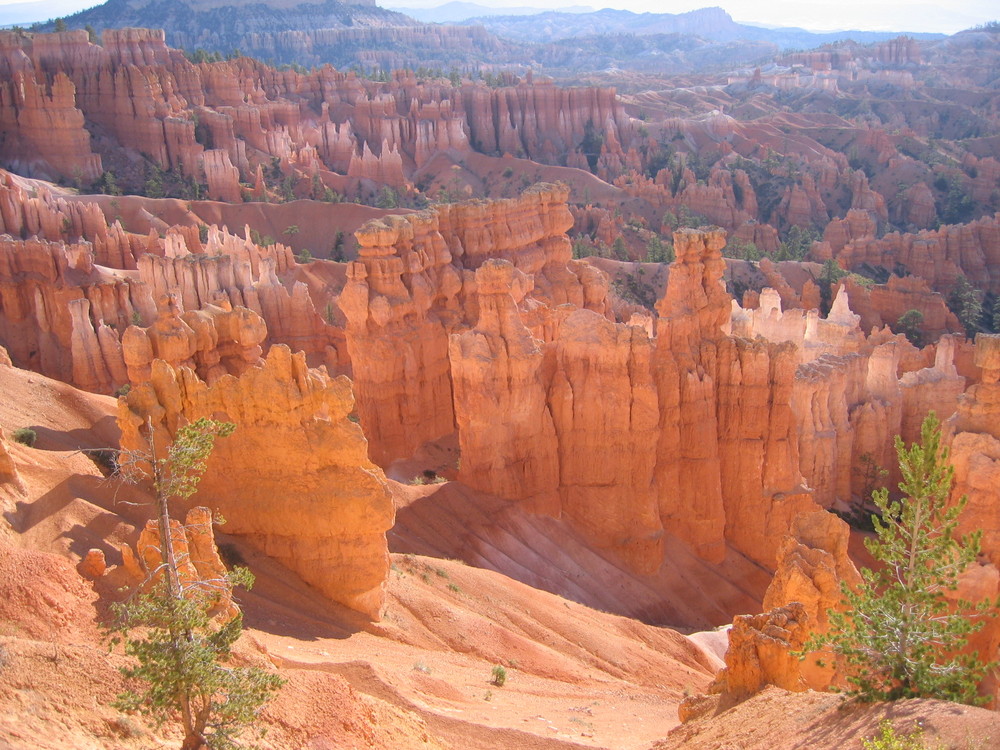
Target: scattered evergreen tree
(387, 198)
(910, 325)
(658, 251)
(899, 636)
(154, 187)
(965, 302)
(829, 277)
(107, 183)
(619, 249)
(737, 248)
(798, 242)
(182, 657)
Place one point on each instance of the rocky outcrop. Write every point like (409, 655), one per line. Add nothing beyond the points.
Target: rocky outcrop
(727, 433)
(60, 315)
(938, 256)
(761, 653)
(65, 304)
(220, 122)
(813, 563)
(569, 427)
(685, 432)
(507, 435)
(849, 398)
(931, 389)
(813, 335)
(222, 177)
(293, 480)
(47, 137)
(213, 341)
(884, 304)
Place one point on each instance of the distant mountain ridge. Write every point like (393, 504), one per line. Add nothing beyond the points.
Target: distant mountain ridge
(713, 24)
(458, 11)
(224, 24)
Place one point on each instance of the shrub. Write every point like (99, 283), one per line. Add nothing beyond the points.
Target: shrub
(910, 325)
(25, 436)
(887, 739)
(499, 675)
(106, 459)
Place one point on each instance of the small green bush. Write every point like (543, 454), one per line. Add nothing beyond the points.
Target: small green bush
(25, 436)
(499, 676)
(887, 739)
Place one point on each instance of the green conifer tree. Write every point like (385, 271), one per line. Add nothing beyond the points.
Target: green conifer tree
(183, 657)
(899, 636)
(965, 302)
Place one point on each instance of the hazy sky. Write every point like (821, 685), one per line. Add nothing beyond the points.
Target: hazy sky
(819, 15)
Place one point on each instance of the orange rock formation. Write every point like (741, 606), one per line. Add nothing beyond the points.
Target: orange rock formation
(698, 425)
(414, 283)
(761, 653)
(294, 479)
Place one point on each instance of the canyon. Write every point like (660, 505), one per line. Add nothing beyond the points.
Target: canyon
(522, 409)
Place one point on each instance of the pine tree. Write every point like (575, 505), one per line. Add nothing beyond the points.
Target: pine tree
(182, 656)
(965, 302)
(899, 636)
(910, 325)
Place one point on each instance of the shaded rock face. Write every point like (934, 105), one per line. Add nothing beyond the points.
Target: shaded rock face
(294, 480)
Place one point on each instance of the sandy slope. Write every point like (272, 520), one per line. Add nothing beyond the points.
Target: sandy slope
(449, 520)
(777, 720)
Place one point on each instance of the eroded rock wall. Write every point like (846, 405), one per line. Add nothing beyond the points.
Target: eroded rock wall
(690, 431)
(414, 283)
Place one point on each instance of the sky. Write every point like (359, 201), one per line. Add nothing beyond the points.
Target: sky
(942, 16)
